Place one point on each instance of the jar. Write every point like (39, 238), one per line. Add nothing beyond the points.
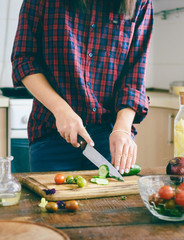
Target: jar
(10, 188)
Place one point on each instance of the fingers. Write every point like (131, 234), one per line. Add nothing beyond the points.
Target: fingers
(124, 165)
(84, 134)
(127, 157)
(123, 153)
(117, 156)
(71, 137)
(134, 156)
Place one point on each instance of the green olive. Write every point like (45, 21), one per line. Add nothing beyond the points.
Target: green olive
(76, 177)
(170, 204)
(70, 179)
(81, 182)
(51, 207)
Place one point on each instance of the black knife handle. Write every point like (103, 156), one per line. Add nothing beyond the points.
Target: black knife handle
(82, 142)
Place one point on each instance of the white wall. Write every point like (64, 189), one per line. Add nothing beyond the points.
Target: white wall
(9, 11)
(166, 57)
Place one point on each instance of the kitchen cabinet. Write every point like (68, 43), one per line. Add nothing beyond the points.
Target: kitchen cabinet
(155, 137)
(3, 132)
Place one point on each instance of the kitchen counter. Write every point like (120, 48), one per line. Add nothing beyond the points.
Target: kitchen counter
(4, 101)
(103, 218)
(163, 99)
(157, 99)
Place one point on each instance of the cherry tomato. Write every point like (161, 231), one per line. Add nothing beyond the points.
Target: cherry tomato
(72, 205)
(81, 182)
(76, 177)
(166, 192)
(179, 198)
(70, 179)
(51, 207)
(59, 178)
(181, 186)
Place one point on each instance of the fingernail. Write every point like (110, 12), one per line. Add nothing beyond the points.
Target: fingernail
(117, 168)
(78, 145)
(126, 170)
(132, 166)
(92, 144)
(122, 171)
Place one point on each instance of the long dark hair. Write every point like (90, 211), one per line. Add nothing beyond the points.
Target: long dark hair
(126, 7)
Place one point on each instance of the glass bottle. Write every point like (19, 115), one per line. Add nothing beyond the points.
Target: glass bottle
(179, 129)
(10, 188)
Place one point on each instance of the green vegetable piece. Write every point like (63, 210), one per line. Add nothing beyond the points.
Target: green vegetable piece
(123, 197)
(100, 181)
(93, 180)
(103, 171)
(98, 177)
(133, 171)
(117, 178)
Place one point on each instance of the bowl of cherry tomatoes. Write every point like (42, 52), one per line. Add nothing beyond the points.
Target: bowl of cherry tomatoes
(163, 195)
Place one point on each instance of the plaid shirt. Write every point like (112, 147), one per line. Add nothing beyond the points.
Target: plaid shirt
(94, 60)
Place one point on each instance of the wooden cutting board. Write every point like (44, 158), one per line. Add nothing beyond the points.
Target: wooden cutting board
(39, 181)
(19, 230)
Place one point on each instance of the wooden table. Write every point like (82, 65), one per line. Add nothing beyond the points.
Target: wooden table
(104, 218)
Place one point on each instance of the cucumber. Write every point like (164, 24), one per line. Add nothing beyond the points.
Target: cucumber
(133, 171)
(103, 171)
(98, 177)
(101, 181)
(117, 178)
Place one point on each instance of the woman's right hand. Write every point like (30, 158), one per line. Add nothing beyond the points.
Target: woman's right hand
(70, 125)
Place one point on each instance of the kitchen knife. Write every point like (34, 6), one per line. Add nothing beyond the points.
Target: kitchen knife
(96, 158)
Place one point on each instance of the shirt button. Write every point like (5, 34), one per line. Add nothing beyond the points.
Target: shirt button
(90, 55)
(93, 25)
(94, 109)
(89, 84)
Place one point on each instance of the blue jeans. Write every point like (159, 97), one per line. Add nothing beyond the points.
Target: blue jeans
(53, 153)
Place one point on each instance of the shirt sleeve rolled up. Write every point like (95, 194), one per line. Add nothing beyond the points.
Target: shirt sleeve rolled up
(26, 57)
(131, 86)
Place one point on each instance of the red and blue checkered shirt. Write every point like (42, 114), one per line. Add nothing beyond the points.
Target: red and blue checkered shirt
(95, 60)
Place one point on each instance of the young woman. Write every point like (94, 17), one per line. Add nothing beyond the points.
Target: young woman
(84, 62)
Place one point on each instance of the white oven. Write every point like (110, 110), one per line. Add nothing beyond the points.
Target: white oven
(18, 147)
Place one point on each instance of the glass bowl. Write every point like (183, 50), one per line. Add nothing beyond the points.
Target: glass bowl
(165, 209)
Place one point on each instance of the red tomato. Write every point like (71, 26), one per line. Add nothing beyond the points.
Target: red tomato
(166, 192)
(72, 205)
(179, 198)
(181, 186)
(59, 178)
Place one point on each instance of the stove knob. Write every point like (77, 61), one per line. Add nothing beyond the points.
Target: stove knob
(24, 119)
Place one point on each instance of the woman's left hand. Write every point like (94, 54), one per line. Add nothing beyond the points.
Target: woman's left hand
(122, 147)
(123, 151)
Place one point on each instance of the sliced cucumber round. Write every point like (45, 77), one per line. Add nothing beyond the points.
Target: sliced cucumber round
(100, 181)
(103, 171)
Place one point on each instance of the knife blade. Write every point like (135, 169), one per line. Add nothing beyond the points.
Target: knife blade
(96, 158)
